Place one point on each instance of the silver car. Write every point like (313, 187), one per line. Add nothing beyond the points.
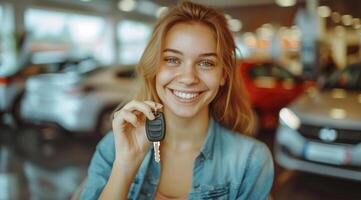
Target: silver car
(321, 131)
(78, 102)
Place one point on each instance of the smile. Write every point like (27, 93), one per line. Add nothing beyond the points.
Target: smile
(185, 95)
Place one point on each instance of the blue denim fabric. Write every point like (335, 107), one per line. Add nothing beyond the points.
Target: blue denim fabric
(229, 166)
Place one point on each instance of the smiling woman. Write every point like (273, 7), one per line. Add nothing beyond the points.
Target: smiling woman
(187, 71)
(189, 79)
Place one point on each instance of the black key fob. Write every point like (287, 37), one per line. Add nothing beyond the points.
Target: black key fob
(155, 129)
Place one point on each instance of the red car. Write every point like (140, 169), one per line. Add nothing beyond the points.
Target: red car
(270, 87)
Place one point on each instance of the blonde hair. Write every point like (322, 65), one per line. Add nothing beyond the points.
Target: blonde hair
(230, 107)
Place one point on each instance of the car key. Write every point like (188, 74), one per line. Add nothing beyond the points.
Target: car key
(155, 130)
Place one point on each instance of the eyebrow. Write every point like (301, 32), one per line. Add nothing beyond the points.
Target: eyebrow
(200, 55)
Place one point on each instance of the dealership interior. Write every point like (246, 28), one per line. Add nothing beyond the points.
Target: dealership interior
(65, 65)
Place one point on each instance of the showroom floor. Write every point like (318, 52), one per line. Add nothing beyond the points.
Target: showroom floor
(46, 163)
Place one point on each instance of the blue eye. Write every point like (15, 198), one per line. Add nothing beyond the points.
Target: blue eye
(172, 61)
(206, 63)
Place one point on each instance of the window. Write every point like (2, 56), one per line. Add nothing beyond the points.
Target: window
(133, 37)
(269, 70)
(69, 33)
(8, 52)
(280, 73)
(259, 70)
(1, 33)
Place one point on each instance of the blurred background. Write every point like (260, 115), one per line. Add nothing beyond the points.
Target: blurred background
(66, 64)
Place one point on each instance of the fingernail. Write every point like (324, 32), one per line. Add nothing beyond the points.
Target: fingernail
(151, 116)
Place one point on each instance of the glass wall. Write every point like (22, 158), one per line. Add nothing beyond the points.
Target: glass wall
(8, 46)
(132, 37)
(1, 32)
(74, 34)
(52, 36)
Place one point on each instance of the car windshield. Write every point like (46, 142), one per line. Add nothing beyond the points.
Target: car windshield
(349, 78)
(269, 70)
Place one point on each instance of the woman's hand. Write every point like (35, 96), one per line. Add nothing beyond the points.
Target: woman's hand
(129, 129)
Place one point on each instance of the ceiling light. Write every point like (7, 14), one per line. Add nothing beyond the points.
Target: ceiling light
(347, 20)
(268, 26)
(263, 32)
(356, 23)
(324, 11)
(228, 17)
(250, 39)
(285, 3)
(127, 5)
(85, 0)
(161, 11)
(235, 25)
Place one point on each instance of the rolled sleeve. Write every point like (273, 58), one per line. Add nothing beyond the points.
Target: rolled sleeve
(99, 169)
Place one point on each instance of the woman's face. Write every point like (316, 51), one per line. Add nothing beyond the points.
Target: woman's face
(190, 72)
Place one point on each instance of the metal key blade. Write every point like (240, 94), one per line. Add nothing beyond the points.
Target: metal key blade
(156, 146)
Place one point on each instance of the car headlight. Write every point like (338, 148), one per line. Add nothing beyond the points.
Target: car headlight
(289, 118)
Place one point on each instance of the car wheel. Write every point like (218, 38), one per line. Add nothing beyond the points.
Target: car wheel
(104, 122)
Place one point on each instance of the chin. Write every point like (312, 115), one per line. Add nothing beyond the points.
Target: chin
(183, 113)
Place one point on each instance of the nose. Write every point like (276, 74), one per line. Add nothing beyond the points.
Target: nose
(188, 74)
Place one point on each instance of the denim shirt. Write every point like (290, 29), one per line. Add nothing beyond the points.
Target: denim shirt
(229, 166)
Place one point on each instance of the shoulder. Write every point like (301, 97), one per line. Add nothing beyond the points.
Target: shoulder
(235, 141)
(105, 148)
(99, 168)
(242, 148)
(107, 140)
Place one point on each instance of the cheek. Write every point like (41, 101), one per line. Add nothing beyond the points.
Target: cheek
(162, 78)
(213, 81)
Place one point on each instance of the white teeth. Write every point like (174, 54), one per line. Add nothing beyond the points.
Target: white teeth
(185, 95)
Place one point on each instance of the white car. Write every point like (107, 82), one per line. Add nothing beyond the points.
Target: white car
(78, 102)
(321, 131)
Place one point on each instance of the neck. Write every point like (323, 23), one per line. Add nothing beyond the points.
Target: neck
(184, 134)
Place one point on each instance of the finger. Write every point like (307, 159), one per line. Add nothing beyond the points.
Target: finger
(141, 107)
(154, 105)
(137, 113)
(140, 116)
(126, 116)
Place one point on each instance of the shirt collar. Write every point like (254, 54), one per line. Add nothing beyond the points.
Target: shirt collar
(208, 146)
